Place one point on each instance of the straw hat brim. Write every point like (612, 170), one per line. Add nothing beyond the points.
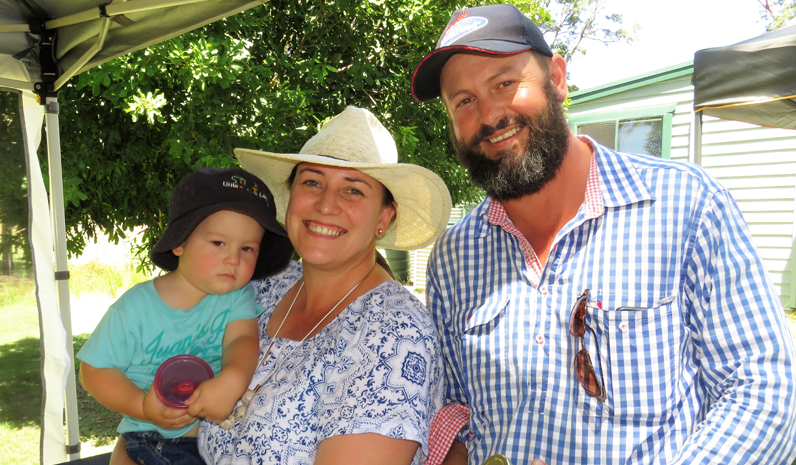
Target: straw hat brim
(422, 198)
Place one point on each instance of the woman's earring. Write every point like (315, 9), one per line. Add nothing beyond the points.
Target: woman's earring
(380, 232)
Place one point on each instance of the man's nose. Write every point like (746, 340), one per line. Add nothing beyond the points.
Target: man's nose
(490, 111)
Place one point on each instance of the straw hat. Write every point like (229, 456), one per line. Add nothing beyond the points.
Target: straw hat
(356, 139)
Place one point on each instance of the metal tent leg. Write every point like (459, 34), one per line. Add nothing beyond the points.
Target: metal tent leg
(61, 271)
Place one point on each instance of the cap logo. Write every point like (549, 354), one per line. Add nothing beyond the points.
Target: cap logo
(462, 27)
(237, 182)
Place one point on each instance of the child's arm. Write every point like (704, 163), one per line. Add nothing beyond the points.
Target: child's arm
(115, 391)
(215, 398)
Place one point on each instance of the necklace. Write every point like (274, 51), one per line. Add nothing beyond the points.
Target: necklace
(240, 413)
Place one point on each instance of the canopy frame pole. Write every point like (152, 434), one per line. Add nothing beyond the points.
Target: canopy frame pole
(113, 9)
(93, 50)
(14, 84)
(61, 268)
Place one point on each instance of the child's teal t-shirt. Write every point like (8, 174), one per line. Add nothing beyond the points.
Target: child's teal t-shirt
(139, 332)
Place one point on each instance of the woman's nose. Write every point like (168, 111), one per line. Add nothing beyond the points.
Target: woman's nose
(327, 203)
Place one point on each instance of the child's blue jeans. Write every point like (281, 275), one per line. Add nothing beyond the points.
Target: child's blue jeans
(150, 448)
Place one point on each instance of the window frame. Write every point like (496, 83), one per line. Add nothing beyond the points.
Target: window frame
(666, 112)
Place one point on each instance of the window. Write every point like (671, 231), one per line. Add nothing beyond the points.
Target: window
(646, 131)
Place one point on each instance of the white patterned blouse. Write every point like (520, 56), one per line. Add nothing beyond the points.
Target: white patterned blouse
(375, 368)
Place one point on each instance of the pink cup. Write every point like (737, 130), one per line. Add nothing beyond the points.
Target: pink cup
(178, 377)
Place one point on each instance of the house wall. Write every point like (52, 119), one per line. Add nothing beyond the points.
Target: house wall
(756, 164)
(418, 259)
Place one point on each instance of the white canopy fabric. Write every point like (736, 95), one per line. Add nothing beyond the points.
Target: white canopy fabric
(43, 43)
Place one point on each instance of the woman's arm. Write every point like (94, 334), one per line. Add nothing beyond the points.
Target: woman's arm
(365, 449)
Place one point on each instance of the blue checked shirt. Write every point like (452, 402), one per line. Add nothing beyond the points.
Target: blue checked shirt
(696, 355)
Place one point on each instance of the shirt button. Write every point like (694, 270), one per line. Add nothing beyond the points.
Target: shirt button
(623, 327)
(539, 339)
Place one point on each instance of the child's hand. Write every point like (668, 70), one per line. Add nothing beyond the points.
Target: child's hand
(213, 400)
(163, 416)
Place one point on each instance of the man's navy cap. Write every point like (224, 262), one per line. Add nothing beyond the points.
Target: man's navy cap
(490, 30)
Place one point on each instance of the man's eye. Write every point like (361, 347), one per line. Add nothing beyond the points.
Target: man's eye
(464, 102)
(506, 83)
(218, 243)
(247, 249)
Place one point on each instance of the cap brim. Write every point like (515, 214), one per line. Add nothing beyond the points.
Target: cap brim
(425, 79)
(423, 200)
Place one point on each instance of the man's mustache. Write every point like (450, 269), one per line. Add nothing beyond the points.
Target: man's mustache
(486, 130)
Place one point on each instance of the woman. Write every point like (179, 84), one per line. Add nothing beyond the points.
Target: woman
(350, 367)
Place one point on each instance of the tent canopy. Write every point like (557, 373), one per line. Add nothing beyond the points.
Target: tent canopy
(43, 43)
(66, 37)
(752, 81)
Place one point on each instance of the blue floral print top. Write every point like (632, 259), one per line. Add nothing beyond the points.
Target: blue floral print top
(375, 368)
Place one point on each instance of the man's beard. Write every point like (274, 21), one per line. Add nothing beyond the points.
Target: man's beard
(514, 175)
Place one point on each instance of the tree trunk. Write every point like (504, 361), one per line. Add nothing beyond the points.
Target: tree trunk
(6, 258)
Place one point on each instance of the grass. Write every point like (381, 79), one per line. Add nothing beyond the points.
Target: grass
(97, 278)
(20, 363)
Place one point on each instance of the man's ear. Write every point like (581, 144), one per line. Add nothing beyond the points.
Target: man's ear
(558, 76)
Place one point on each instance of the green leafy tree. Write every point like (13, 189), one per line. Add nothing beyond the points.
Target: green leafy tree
(266, 79)
(13, 184)
(777, 12)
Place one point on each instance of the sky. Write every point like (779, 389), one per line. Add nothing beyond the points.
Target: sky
(671, 31)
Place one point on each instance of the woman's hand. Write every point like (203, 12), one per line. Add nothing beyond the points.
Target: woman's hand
(163, 416)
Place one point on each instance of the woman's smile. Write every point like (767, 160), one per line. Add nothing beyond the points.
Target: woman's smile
(324, 230)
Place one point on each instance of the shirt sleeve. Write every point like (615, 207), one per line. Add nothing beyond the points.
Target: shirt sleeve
(744, 349)
(243, 305)
(436, 303)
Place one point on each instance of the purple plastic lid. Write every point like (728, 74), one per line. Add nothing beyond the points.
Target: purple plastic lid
(178, 377)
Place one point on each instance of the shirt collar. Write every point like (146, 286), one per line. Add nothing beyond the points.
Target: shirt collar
(618, 179)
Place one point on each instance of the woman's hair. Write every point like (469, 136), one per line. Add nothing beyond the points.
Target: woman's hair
(387, 201)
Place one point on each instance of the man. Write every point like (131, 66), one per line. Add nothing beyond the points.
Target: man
(596, 307)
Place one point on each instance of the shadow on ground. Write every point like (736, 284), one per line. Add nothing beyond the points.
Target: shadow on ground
(21, 393)
(20, 385)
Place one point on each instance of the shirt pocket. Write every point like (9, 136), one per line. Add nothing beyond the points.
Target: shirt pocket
(486, 372)
(644, 351)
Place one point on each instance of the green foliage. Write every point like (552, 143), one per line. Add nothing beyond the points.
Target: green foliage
(570, 25)
(265, 79)
(777, 12)
(14, 290)
(13, 182)
(98, 278)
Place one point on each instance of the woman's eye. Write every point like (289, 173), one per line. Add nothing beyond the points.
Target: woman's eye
(354, 191)
(247, 249)
(311, 183)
